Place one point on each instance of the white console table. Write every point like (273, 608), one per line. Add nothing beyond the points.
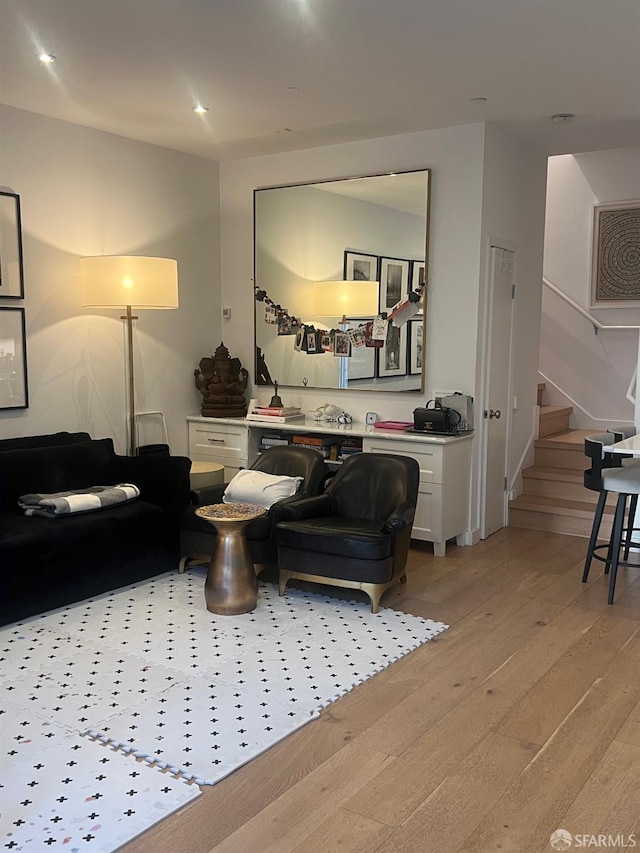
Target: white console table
(443, 497)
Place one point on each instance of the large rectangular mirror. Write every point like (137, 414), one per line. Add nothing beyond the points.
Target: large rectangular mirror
(354, 230)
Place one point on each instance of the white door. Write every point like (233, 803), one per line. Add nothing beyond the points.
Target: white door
(496, 408)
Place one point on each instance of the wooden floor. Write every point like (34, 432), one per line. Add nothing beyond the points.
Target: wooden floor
(522, 718)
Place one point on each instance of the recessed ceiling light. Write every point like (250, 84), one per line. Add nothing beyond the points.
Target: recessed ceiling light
(562, 118)
(200, 109)
(47, 58)
(478, 101)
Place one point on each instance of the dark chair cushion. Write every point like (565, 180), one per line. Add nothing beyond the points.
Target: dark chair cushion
(339, 536)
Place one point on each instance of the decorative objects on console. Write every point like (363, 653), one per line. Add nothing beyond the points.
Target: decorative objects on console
(329, 412)
(222, 381)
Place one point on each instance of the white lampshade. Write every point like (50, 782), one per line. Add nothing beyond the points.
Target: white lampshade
(120, 280)
(345, 298)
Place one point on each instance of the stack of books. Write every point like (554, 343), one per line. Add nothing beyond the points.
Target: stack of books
(323, 444)
(273, 440)
(350, 446)
(275, 414)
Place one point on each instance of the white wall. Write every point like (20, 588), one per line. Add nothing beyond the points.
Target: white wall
(513, 218)
(592, 371)
(455, 156)
(84, 192)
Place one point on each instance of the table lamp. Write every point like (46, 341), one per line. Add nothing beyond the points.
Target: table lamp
(126, 281)
(345, 299)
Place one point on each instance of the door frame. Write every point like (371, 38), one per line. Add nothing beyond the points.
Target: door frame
(511, 246)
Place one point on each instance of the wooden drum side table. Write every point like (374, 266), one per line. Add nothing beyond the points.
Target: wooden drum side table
(231, 586)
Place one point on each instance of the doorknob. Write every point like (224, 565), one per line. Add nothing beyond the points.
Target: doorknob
(495, 414)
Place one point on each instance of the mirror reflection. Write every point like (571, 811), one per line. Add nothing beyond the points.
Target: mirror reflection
(330, 258)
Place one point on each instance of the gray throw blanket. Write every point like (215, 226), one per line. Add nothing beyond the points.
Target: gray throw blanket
(78, 500)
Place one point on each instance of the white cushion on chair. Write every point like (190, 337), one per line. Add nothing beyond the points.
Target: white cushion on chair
(257, 487)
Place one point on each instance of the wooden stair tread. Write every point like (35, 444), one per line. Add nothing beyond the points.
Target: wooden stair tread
(555, 506)
(554, 411)
(572, 439)
(544, 472)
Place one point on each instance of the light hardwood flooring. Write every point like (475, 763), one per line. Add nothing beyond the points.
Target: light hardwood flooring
(523, 717)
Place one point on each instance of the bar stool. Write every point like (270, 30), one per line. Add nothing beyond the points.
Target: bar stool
(605, 475)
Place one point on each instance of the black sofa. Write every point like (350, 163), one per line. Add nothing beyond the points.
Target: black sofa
(50, 562)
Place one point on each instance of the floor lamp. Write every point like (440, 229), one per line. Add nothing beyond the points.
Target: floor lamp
(125, 281)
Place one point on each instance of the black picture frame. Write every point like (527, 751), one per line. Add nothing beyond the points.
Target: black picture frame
(11, 259)
(394, 282)
(415, 354)
(360, 266)
(417, 274)
(14, 388)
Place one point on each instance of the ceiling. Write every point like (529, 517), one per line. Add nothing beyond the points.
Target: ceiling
(281, 75)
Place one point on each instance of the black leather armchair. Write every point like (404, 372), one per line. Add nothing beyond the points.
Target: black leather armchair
(198, 537)
(357, 533)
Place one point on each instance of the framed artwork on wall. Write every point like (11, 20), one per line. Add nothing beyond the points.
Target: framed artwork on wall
(416, 341)
(615, 258)
(417, 274)
(392, 357)
(394, 282)
(14, 393)
(11, 267)
(360, 267)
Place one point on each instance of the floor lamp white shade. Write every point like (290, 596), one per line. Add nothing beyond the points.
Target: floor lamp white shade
(129, 281)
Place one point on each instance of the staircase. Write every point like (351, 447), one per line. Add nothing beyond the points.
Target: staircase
(554, 498)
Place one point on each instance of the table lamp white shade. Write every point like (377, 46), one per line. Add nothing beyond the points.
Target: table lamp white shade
(345, 298)
(119, 280)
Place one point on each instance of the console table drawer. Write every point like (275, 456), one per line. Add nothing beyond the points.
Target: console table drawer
(217, 442)
(428, 457)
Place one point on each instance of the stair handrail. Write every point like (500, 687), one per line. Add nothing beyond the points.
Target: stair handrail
(597, 325)
(593, 320)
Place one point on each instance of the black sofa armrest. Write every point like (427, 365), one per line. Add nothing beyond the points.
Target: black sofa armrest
(297, 508)
(162, 480)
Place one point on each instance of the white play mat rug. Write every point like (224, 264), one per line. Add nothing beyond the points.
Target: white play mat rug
(115, 709)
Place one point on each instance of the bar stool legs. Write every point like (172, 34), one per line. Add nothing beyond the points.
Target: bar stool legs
(595, 530)
(616, 541)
